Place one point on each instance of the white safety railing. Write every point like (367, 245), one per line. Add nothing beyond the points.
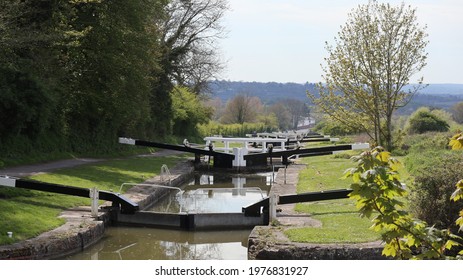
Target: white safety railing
(156, 186)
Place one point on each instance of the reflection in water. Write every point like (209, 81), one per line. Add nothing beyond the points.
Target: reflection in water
(217, 193)
(206, 193)
(124, 243)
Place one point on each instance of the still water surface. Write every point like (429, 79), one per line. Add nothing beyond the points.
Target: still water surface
(205, 193)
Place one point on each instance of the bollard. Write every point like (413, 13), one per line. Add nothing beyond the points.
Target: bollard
(94, 195)
(273, 200)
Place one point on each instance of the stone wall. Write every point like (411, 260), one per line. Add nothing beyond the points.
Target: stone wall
(268, 243)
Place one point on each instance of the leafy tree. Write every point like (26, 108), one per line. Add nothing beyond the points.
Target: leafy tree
(217, 107)
(376, 53)
(33, 37)
(297, 110)
(330, 127)
(282, 114)
(242, 108)
(457, 112)
(188, 112)
(189, 36)
(111, 67)
(268, 119)
(188, 53)
(25, 105)
(423, 120)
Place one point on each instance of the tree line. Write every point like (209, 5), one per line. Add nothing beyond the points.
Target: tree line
(76, 74)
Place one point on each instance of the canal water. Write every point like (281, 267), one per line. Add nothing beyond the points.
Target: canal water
(206, 193)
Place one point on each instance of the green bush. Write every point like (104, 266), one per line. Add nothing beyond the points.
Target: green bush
(418, 143)
(423, 120)
(436, 174)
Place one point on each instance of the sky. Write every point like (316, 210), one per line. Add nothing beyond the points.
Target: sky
(284, 40)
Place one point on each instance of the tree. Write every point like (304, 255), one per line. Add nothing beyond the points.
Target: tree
(90, 59)
(188, 56)
(377, 52)
(297, 110)
(32, 37)
(189, 40)
(242, 108)
(109, 69)
(282, 114)
(188, 112)
(457, 112)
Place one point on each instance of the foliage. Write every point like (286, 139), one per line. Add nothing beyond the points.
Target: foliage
(86, 71)
(297, 111)
(423, 120)
(329, 126)
(237, 130)
(188, 112)
(435, 176)
(456, 196)
(377, 52)
(186, 53)
(269, 119)
(282, 115)
(188, 42)
(429, 142)
(242, 108)
(378, 193)
(457, 144)
(25, 105)
(457, 112)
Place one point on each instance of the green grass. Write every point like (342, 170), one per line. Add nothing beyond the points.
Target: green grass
(341, 222)
(109, 175)
(340, 219)
(28, 213)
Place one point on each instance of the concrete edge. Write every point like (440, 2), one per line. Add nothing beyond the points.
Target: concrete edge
(268, 243)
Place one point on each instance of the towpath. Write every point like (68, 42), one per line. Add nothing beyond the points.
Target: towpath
(29, 170)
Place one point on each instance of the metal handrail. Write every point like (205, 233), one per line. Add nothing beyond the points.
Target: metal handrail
(165, 172)
(156, 186)
(230, 189)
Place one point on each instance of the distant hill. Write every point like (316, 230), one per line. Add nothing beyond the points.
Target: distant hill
(435, 95)
(267, 92)
(443, 89)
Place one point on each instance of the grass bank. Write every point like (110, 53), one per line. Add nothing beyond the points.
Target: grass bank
(341, 222)
(28, 213)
